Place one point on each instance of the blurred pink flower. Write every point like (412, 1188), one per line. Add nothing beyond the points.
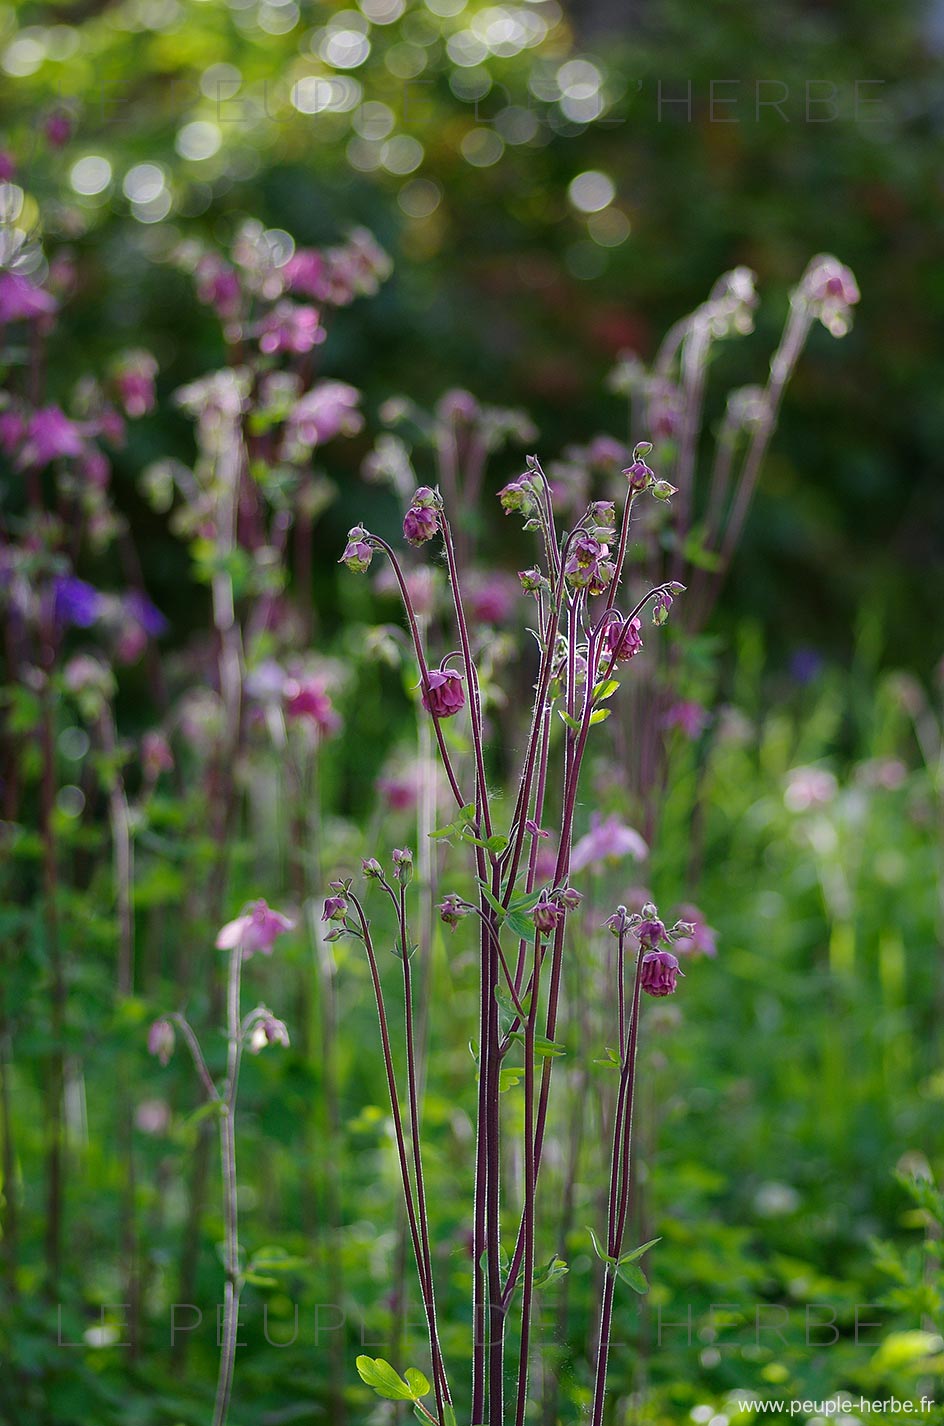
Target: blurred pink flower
(491, 597)
(50, 435)
(257, 929)
(290, 328)
(20, 298)
(156, 756)
(7, 166)
(218, 286)
(703, 942)
(608, 840)
(12, 431)
(809, 787)
(401, 789)
(306, 699)
(134, 382)
(152, 1116)
(58, 129)
(687, 715)
(328, 410)
(307, 272)
(160, 1040)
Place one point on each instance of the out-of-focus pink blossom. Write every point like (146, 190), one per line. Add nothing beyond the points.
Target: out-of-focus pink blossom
(687, 715)
(306, 700)
(809, 787)
(401, 789)
(257, 929)
(160, 1040)
(307, 272)
(328, 410)
(7, 166)
(134, 382)
(491, 597)
(50, 435)
(152, 1116)
(58, 129)
(609, 840)
(704, 940)
(218, 286)
(21, 299)
(290, 327)
(156, 756)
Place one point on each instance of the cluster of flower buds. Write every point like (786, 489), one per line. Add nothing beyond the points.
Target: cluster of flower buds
(421, 521)
(403, 865)
(588, 565)
(659, 969)
(664, 600)
(521, 495)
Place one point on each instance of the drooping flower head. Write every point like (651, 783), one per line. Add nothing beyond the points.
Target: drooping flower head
(160, 1040)
(268, 1031)
(257, 929)
(452, 909)
(134, 383)
(335, 908)
(547, 913)
(421, 521)
(357, 552)
(659, 973)
(443, 694)
(623, 643)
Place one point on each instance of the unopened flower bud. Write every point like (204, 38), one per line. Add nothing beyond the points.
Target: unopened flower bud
(268, 1031)
(532, 580)
(663, 490)
(371, 867)
(570, 898)
(618, 922)
(403, 865)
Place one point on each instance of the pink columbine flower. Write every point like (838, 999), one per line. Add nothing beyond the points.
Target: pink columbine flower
(443, 694)
(50, 436)
(357, 552)
(306, 699)
(21, 299)
(290, 327)
(659, 973)
(650, 932)
(160, 1040)
(335, 908)
(257, 929)
(638, 476)
(421, 521)
(608, 840)
(623, 644)
(547, 914)
(452, 909)
(702, 941)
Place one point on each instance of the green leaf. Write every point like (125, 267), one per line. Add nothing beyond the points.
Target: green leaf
(600, 715)
(380, 1375)
(605, 689)
(525, 902)
(275, 1260)
(555, 1269)
(496, 843)
(633, 1275)
(448, 1415)
(508, 1078)
(572, 723)
(519, 925)
(547, 1049)
(637, 1253)
(417, 1383)
(493, 901)
(604, 1257)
